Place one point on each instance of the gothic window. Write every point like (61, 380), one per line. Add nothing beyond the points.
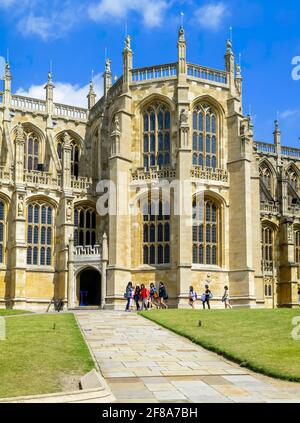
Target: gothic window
(31, 152)
(297, 246)
(2, 233)
(205, 140)
(267, 187)
(267, 247)
(84, 226)
(74, 156)
(205, 232)
(292, 177)
(268, 290)
(39, 234)
(156, 136)
(156, 233)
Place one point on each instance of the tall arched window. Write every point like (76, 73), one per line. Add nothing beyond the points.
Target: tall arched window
(74, 155)
(297, 245)
(39, 234)
(156, 233)
(2, 232)
(84, 226)
(31, 152)
(156, 136)
(267, 247)
(206, 223)
(266, 176)
(205, 139)
(292, 176)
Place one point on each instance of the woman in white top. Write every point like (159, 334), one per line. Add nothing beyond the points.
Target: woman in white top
(225, 298)
(192, 297)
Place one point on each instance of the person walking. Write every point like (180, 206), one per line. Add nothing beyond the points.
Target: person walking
(136, 296)
(153, 295)
(192, 297)
(144, 297)
(207, 295)
(225, 298)
(163, 295)
(128, 296)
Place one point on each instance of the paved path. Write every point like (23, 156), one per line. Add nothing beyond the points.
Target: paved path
(143, 362)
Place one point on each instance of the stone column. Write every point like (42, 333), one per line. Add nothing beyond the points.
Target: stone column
(288, 282)
(104, 269)
(71, 281)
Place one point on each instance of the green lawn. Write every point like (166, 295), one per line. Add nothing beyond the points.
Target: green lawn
(42, 354)
(9, 312)
(260, 339)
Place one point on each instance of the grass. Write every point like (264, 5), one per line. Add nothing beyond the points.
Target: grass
(12, 312)
(40, 353)
(258, 339)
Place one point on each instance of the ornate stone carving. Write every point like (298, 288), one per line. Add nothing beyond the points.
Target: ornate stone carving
(20, 138)
(21, 205)
(184, 117)
(66, 140)
(290, 233)
(116, 124)
(69, 211)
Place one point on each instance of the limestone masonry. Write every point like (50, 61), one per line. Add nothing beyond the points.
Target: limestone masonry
(171, 122)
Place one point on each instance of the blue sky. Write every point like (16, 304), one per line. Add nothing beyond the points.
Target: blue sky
(74, 35)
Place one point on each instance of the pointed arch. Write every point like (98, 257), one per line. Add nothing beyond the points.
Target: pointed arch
(268, 180)
(292, 174)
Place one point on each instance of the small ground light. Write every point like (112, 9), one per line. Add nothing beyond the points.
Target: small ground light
(200, 323)
(54, 326)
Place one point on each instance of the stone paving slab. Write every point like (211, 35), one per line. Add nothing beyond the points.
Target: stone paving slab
(143, 362)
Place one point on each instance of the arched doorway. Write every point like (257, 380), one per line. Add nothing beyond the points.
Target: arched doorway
(89, 287)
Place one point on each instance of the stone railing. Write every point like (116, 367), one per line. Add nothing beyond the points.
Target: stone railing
(269, 207)
(154, 72)
(209, 174)
(208, 74)
(87, 250)
(70, 112)
(81, 183)
(290, 152)
(36, 177)
(264, 147)
(6, 175)
(116, 89)
(28, 103)
(142, 174)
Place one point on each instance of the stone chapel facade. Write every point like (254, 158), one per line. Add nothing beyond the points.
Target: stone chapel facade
(177, 121)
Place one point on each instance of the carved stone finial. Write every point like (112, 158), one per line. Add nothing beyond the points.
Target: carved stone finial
(127, 42)
(181, 33)
(7, 71)
(107, 65)
(229, 45)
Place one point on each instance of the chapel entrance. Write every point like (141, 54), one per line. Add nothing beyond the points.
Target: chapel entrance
(89, 281)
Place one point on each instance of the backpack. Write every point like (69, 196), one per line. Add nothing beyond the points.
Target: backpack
(210, 296)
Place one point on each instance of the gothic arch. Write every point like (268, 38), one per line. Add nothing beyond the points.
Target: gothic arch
(151, 98)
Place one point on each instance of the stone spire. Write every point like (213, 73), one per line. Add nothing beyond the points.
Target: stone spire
(181, 46)
(229, 63)
(277, 134)
(7, 85)
(91, 96)
(127, 63)
(107, 77)
(49, 87)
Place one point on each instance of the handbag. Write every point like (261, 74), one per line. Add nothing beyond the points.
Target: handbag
(203, 298)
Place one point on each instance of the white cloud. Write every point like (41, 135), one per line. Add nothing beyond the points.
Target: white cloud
(6, 3)
(152, 11)
(65, 93)
(211, 15)
(289, 113)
